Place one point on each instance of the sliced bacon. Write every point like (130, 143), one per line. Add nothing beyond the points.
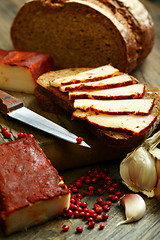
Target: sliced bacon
(116, 81)
(131, 91)
(87, 76)
(131, 124)
(127, 106)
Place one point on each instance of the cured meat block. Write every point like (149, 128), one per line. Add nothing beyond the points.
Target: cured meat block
(19, 70)
(31, 191)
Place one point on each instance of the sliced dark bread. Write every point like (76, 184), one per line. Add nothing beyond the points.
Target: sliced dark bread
(48, 97)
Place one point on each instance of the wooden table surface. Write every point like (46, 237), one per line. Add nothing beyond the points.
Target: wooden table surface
(145, 229)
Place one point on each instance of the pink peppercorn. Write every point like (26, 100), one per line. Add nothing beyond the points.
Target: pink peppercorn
(79, 139)
(91, 224)
(65, 228)
(101, 226)
(105, 216)
(20, 135)
(3, 129)
(79, 229)
(7, 134)
(98, 209)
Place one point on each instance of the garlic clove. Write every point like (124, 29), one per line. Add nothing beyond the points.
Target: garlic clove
(136, 171)
(125, 173)
(157, 188)
(140, 170)
(135, 207)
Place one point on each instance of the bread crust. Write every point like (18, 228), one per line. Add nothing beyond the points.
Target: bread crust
(139, 22)
(49, 98)
(118, 36)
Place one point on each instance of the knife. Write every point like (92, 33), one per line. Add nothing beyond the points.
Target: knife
(14, 108)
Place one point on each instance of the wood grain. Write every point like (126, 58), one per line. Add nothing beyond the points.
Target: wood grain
(145, 229)
(8, 102)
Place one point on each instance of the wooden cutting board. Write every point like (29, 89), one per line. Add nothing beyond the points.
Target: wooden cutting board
(65, 155)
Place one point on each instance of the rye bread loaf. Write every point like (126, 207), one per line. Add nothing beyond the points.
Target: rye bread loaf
(86, 33)
(49, 97)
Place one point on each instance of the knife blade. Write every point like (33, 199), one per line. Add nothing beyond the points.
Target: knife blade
(15, 109)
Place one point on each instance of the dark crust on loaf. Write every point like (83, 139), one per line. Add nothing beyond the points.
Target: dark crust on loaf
(26, 176)
(49, 97)
(124, 46)
(144, 32)
(140, 24)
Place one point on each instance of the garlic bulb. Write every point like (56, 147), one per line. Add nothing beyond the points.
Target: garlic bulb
(135, 207)
(140, 170)
(156, 154)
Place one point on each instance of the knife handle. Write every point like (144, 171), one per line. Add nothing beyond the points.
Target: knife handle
(9, 103)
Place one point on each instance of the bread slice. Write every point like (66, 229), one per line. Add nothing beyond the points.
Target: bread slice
(123, 32)
(49, 96)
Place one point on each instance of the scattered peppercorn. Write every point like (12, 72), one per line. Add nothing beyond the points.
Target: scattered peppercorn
(79, 229)
(7, 134)
(79, 139)
(3, 129)
(101, 226)
(90, 183)
(65, 228)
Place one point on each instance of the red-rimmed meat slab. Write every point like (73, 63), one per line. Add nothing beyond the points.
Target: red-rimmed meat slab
(127, 106)
(115, 81)
(87, 76)
(131, 91)
(19, 70)
(31, 191)
(132, 124)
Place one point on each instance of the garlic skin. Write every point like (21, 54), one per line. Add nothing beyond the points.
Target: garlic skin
(135, 207)
(140, 170)
(136, 171)
(156, 154)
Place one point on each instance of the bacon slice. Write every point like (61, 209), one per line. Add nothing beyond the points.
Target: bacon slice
(127, 106)
(132, 124)
(116, 81)
(87, 76)
(131, 91)
(19, 70)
